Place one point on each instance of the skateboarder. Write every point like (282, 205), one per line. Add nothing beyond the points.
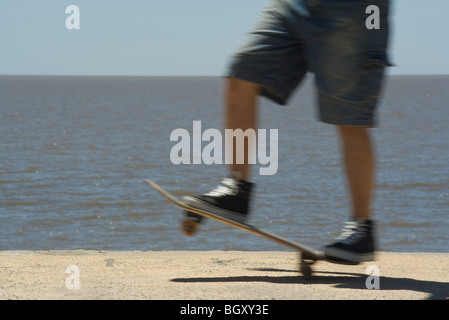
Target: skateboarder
(329, 38)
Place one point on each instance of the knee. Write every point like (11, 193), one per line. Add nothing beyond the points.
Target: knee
(347, 131)
(351, 135)
(241, 87)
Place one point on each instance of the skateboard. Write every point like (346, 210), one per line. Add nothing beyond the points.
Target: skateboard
(307, 256)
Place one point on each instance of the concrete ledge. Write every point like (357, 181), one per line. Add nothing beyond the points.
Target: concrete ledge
(216, 275)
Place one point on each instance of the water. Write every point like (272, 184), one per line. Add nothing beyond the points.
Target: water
(75, 153)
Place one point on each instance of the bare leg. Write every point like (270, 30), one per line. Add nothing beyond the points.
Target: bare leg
(230, 200)
(240, 113)
(359, 162)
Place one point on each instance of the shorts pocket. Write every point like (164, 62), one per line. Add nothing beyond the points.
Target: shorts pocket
(373, 68)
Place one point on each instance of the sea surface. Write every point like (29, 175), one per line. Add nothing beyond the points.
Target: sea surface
(75, 153)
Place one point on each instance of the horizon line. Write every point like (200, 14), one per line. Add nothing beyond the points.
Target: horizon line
(181, 75)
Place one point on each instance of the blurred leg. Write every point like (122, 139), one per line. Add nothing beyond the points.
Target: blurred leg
(241, 113)
(359, 162)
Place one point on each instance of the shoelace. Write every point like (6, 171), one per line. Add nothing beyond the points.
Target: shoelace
(352, 232)
(227, 187)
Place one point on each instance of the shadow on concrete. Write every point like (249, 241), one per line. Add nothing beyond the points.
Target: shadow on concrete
(436, 290)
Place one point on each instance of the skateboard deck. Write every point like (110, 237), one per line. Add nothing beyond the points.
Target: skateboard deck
(307, 254)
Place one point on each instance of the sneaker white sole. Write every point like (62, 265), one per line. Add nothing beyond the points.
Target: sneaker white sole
(198, 204)
(340, 254)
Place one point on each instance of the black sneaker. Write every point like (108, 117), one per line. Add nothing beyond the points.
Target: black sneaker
(355, 244)
(229, 200)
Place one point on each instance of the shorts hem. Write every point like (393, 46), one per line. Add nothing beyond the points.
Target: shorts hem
(349, 123)
(268, 91)
(347, 113)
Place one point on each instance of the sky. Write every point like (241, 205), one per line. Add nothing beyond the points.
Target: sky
(180, 37)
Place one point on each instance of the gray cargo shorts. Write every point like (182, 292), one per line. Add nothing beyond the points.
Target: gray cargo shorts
(328, 38)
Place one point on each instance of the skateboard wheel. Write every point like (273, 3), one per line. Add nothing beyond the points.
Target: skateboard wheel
(189, 226)
(191, 223)
(305, 263)
(305, 269)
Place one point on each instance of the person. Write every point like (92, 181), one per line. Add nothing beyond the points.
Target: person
(330, 39)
